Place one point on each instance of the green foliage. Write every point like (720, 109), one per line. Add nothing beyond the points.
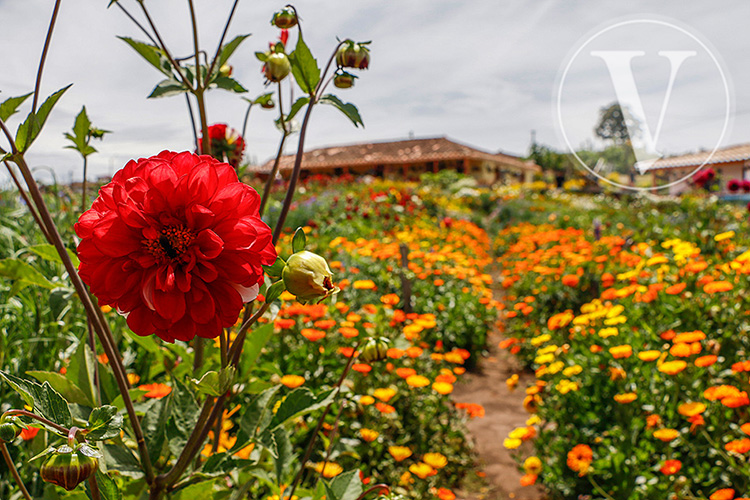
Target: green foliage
(304, 67)
(349, 109)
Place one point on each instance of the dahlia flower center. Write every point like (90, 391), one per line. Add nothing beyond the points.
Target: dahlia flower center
(172, 243)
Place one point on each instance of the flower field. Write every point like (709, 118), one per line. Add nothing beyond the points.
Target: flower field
(636, 331)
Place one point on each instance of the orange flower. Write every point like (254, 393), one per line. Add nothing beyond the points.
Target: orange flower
(445, 494)
(580, 458)
(348, 332)
(472, 409)
(570, 280)
(621, 351)
(155, 391)
(362, 368)
(405, 372)
(691, 409)
(675, 289)
(422, 470)
(369, 435)
(649, 355)
(528, 479)
(394, 353)
(736, 401)
(390, 300)
(626, 398)
(384, 394)
(704, 361)
(292, 381)
(673, 367)
(436, 460)
(680, 350)
(689, 337)
(29, 433)
(671, 467)
(384, 408)
(740, 446)
(364, 285)
(442, 387)
(312, 334)
(745, 428)
(722, 494)
(666, 435)
(325, 324)
(717, 286)
(414, 352)
(285, 323)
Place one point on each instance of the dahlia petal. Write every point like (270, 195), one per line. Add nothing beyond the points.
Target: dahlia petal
(202, 307)
(199, 217)
(206, 271)
(165, 278)
(182, 279)
(208, 244)
(114, 238)
(202, 181)
(169, 305)
(148, 286)
(248, 294)
(140, 320)
(210, 330)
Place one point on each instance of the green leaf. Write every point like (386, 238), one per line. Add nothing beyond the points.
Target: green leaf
(107, 487)
(304, 67)
(274, 291)
(155, 427)
(299, 241)
(276, 268)
(23, 274)
(263, 98)
(195, 491)
(104, 423)
(29, 130)
(42, 398)
(227, 83)
(261, 56)
(284, 453)
(320, 491)
(301, 401)
(9, 107)
(209, 384)
(81, 369)
(49, 252)
(228, 49)
(346, 486)
(135, 394)
(166, 88)
(256, 417)
(349, 109)
(256, 341)
(152, 54)
(296, 107)
(121, 459)
(65, 387)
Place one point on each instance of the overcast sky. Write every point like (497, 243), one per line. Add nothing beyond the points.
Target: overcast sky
(483, 72)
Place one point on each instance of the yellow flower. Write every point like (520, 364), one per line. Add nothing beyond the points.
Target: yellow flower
(544, 359)
(572, 370)
(541, 339)
(649, 355)
(532, 465)
(436, 460)
(399, 453)
(418, 381)
(385, 394)
(691, 409)
(292, 381)
(673, 367)
(367, 400)
(626, 398)
(555, 367)
(666, 434)
(565, 386)
(724, 236)
(364, 285)
(511, 443)
(442, 387)
(421, 470)
(608, 332)
(512, 382)
(328, 469)
(533, 420)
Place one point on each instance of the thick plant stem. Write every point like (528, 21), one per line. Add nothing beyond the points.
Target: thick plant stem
(206, 140)
(83, 185)
(14, 471)
(42, 59)
(196, 46)
(94, 313)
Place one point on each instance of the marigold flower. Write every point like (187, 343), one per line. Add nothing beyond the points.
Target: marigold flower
(570, 280)
(405, 372)
(445, 494)
(532, 465)
(675, 289)
(362, 368)
(705, 361)
(737, 401)
(364, 285)
(580, 458)
(745, 428)
(691, 409)
(348, 332)
(369, 435)
(740, 446)
(626, 398)
(384, 408)
(649, 355)
(673, 367)
(292, 381)
(436, 460)
(384, 394)
(512, 443)
(399, 453)
(528, 479)
(155, 391)
(418, 381)
(689, 337)
(666, 435)
(422, 470)
(367, 400)
(443, 388)
(328, 469)
(313, 334)
(176, 243)
(621, 351)
(670, 467)
(472, 409)
(722, 494)
(717, 286)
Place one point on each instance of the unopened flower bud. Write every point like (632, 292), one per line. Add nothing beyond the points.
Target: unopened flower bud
(374, 349)
(225, 70)
(267, 104)
(285, 18)
(10, 429)
(69, 465)
(276, 67)
(343, 80)
(308, 277)
(353, 55)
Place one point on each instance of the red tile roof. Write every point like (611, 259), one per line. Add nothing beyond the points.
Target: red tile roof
(739, 152)
(396, 153)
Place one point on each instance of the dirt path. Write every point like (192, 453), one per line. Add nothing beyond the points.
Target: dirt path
(503, 413)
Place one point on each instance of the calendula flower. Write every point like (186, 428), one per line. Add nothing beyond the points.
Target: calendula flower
(670, 467)
(673, 367)
(626, 398)
(691, 409)
(621, 351)
(717, 287)
(666, 435)
(649, 355)
(580, 458)
(418, 381)
(532, 465)
(443, 388)
(328, 469)
(155, 391)
(364, 285)
(422, 470)
(399, 453)
(369, 435)
(436, 460)
(722, 494)
(175, 243)
(384, 394)
(292, 381)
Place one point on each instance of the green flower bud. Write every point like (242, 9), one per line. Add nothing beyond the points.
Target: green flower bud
(225, 70)
(308, 277)
(343, 80)
(9, 431)
(285, 18)
(276, 67)
(70, 466)
(374, 349)
(353, 55)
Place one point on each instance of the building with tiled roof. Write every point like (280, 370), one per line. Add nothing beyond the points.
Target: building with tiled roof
(407, 159)
(732, 162)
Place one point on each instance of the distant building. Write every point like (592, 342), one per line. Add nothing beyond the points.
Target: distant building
(732, 162)
(407, 160)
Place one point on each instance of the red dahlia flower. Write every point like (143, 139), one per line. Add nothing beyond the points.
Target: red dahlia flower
(175, 243)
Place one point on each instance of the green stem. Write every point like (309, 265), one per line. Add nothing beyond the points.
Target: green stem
(13, 470)
(206, 141)
(83, 184)
(194, 24)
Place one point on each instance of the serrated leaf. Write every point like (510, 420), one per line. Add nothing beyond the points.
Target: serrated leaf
(61, 384)
(121, 459)
(349, 109)
(9, 106)
(166, 88)
(304, 67)
(346, 486)
(107, 487)
(256, 417)
(296, 107)
(227, 83)
(42, 398)
(29, 130)
(299, 241)
(104, 423)
(152, 54)
(274, 291)
(276, 268)
(49, 252)
(228, 49)
(23, 274)
(301, 401)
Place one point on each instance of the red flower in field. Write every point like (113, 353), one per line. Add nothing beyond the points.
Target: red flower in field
(226, 144)
(175, 243)
(671, 467)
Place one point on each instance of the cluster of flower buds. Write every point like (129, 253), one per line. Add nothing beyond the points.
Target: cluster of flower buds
(350, 54)
(374, 349)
